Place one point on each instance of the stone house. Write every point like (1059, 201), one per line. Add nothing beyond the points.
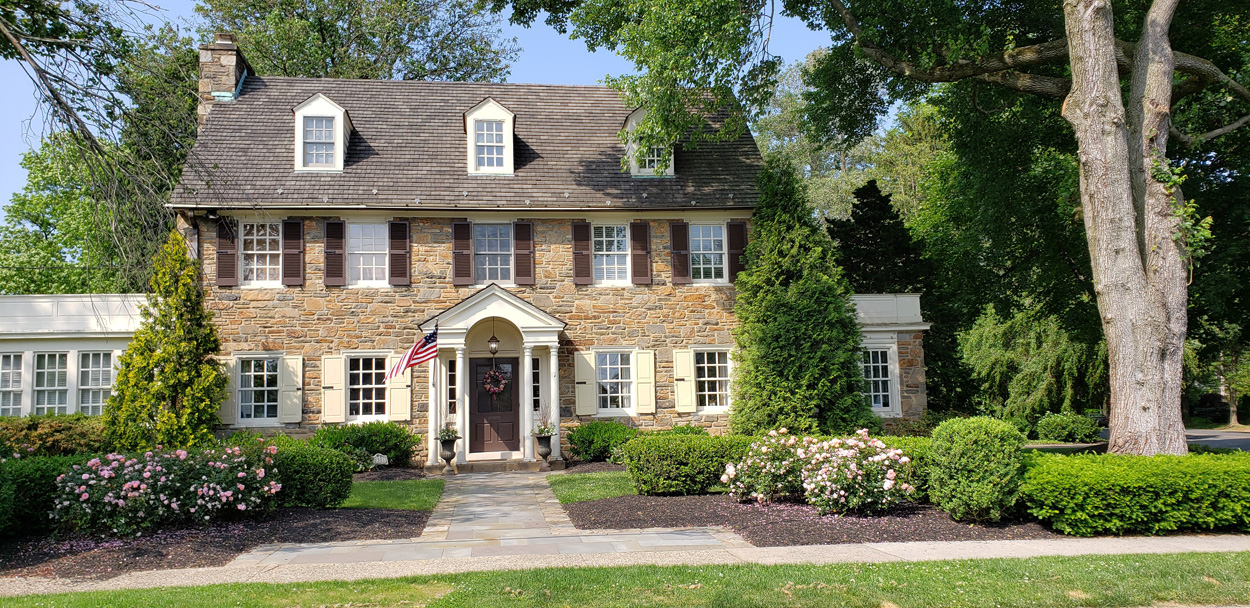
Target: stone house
(338, 221)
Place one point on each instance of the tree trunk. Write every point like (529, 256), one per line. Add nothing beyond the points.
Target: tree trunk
(1139, 271)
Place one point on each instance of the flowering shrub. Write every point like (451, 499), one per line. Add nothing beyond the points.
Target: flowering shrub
(127, 494)
(853, 475)
(771, 469)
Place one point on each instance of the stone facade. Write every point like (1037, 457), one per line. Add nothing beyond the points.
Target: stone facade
(912, 393)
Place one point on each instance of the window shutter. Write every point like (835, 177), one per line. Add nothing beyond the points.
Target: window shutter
(336, 253)
(679, 237)
(737, 243)
(683, 379)
(640, 253)
(462, 253)
(292, 253)
(400, 253)
(291, 389)
(229, 410)
(227, 253)
(333, 388)
(582, 257)
(399, 392)
(644, 380)
(523, 250)
(584, 375)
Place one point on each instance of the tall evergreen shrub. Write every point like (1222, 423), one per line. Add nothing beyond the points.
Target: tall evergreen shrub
(798, 339)
(168, 383)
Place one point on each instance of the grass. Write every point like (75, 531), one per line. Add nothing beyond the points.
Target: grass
(1042, 582)
(409, 495)
(590, 486)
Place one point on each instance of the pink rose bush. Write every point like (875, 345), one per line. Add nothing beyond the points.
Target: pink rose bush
(770, 470)
(128, 494)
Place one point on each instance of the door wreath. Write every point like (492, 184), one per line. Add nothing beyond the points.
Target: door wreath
(494, 382)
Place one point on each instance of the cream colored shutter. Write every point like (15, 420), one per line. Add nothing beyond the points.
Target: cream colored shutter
(333, 389)
(399, 392)
(683, 379)
(644, 380)
(229, 410)
(584, 374)
(291, 389)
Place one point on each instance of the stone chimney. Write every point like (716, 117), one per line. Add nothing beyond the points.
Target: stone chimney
(222, 70)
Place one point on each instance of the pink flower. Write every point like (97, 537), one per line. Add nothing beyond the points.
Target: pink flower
(86, 476)
(83, 497)
(260, 473)
(242, 474)
(146, 475)
(242, 507)
(273, 449)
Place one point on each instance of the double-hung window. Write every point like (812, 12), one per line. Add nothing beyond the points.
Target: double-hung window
(367, 255)
(611, 251)
(51, 383)
(492, 252)
(707, 252)
(614, 381)
(876, 366)
(489, 135)
(95, 381)
(319, 141)
(262, 253)
(11, 385)
(711, 370)
(258, 389)
(366, 388)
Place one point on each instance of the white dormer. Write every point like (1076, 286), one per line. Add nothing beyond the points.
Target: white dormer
(488, 128)
(321, 131)
(646, 166)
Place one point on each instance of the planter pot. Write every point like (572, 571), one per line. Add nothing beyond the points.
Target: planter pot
(447, 453)
(544, 451)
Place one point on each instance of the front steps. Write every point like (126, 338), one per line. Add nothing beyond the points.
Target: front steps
(494, 466)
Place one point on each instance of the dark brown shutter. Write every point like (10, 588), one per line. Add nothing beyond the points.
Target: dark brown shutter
(640, 253)
(523, 250)
(462, 253)
(227, 253)
(583, 258)
(679, 238)
(399, 253)
(737, 242)
(336, 253)
(292, 253)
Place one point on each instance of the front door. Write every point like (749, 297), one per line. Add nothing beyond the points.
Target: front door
(494, 416)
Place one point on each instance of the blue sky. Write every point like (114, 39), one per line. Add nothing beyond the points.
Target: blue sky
(546, 58)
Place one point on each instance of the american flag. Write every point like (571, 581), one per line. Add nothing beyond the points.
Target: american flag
(420, 352)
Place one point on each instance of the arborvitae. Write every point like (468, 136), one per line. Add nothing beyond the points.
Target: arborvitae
(876, 251)
(798, 340)
(168, 383)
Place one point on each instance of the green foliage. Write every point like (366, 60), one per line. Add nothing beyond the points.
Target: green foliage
(168, 384)
(396, 441)
(313, 477)
(54, 435)
(798, 339)
(1068, 428)
(975, 468)
(681, 464)
(681, 429)
(1087, 495)
(919, 427)
(594, 441)
(28, 492)
(916, 472)
(875, 250)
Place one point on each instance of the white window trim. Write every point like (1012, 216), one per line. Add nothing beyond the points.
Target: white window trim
(719, 409)
(320, 106)
(635, 170)
(481, 281)
(347, 252)
(891, 345)
(20, 389)
(724, 232)
(490, 110)
(629, 258)
(240, 421)
(630, 411)
(71, 380)
(78, 377)
(244, 283)
(347, 387)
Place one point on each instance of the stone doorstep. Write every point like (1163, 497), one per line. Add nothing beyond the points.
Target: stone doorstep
(493, 466)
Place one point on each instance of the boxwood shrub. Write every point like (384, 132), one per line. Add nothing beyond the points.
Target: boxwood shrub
(916, 472)
(396, 441)
(1068, 428)
(313, 476)
(28, 492)
(681, 464)
(54, 435)
(1087, 494)
(594, 441)
(976, 466)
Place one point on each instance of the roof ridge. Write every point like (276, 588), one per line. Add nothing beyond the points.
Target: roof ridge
(433, 82)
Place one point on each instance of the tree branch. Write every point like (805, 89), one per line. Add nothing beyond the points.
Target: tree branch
(1189, 141)
(1045, 86)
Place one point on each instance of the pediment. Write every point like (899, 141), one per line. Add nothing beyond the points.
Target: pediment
(494, 301)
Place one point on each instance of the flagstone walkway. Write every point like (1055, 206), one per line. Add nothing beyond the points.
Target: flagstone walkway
(495, 514)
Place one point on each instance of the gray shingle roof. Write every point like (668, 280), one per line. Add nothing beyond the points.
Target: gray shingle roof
(409, 144)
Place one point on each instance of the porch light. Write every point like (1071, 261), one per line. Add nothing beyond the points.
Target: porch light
(493, 342)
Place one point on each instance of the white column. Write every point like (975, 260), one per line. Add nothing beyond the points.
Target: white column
(527, 403)
(433, 419)
(553, 369)
(462, 404)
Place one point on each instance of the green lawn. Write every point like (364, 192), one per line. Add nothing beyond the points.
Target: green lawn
(577, 487)
(1046, 582)
(411, 495)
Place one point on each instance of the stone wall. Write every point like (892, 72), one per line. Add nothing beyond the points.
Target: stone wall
(912, 395)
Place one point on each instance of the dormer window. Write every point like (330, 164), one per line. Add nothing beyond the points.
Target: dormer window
(488, 127)
(652, 158)
(646, 164)
(322, 129)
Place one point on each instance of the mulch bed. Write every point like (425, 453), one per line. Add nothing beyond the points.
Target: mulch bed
(781, 525)
(215, 545)
(593, 467)
(390, 474)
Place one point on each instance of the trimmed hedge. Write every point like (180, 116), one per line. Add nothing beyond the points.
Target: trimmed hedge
(28, 492)
(313, 476)
(976, 466)
(595, 441)
(1068, 428)
(662, 465)
(916, 472)
(54, 435)
(362, 441)
(1085, 495)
